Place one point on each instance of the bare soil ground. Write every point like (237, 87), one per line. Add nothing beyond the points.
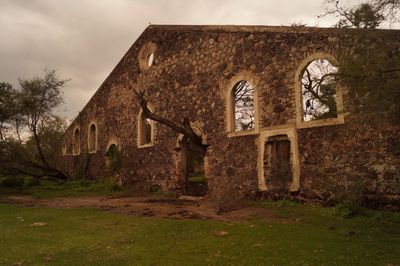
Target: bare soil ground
(149, 205)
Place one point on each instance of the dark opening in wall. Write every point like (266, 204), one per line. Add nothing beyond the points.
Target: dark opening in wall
(92, 138)
(196, 182)
(278, 164)
(77, 142)
(113, 158)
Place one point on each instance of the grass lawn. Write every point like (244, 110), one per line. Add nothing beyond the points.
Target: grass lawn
(93, 237)
(72, 188)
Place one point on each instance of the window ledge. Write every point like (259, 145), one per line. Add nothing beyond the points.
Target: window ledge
(146, 145)
(92, 152)
(233, 134)
(322, 122)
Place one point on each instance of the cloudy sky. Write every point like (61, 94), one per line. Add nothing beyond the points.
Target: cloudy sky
(83, 40)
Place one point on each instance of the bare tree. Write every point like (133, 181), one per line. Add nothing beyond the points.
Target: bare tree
(319, 90)
(243, 95)
(190, 138)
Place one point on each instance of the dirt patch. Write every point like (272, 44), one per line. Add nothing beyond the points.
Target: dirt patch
(158, 206)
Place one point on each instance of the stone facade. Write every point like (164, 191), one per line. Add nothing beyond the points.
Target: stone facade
(191, 73)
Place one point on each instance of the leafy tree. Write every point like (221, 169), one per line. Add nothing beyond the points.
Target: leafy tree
(369, 15)
(7, 108)
(33, 129)
(371, 68)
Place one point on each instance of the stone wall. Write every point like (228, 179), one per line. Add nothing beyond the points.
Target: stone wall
(191, 77)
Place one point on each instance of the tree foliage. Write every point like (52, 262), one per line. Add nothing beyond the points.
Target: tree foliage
(319, 90)
(368, 15)
(30, 129)
(372, 71)
(371, 67)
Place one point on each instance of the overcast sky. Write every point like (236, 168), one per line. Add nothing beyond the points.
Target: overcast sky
(83, 40)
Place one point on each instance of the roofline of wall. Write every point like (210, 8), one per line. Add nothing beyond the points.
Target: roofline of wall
(261, 28)
(103, 83)
(231, 29)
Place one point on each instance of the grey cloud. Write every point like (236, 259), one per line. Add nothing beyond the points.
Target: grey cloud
(83, 40)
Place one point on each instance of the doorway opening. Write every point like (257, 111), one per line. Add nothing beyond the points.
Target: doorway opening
(196, 181)
(278, 165)
(193, 181)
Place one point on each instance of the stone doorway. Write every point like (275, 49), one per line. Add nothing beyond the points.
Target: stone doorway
(278, 164)
(191, 171)
(196, 181)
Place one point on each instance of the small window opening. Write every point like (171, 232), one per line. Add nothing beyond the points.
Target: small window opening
(146, 128)
(243, 106)
(319, 90)
(77, 142)
(150, 59)
(92, 138)
(64, 149)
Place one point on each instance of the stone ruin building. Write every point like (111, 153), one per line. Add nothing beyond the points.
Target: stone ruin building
(255, 95)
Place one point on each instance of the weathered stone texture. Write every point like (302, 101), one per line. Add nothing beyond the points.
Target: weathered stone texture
(192, 67)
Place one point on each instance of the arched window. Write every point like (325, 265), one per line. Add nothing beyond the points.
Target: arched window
(77, 142)
(92, 138)
(113, 157)
(145, 130)
(150, 59)
(318, 90)
(243, 115)
(64, 149)
(147, 56)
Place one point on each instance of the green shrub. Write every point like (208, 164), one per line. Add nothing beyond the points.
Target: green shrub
(115, 187)
(31, 182)
(13, 182)
(349, 210)
(197, 179)
(154, 188)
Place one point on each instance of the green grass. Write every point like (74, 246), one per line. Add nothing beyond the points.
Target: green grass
(72, 188)
(197, 179)
(93, 237)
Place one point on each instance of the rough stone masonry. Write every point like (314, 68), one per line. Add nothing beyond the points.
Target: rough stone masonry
(190, 71)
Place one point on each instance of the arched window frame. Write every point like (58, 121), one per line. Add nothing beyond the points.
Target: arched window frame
(74, 145)
(64, 149)
(148, 50)
(140, 144)
(299, 99)
(230, 106)
(113, 141)
(95, 137)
